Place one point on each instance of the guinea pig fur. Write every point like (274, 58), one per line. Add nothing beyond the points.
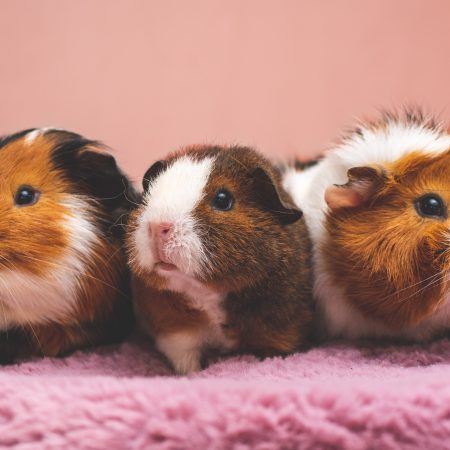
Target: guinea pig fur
(64, 282)
(377, 210)
(220, 257)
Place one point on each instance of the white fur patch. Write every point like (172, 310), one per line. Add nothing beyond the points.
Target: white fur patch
(340, 319)
(184, 349)
(172, 197)
(201, 297)
(29, 299)
(308, 188)
(32, 135)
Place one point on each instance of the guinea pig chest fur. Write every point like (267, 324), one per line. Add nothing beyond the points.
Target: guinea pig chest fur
(220, 257)
(377, 208)
(63, 276)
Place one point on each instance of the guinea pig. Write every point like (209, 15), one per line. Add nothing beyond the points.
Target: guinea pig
(377, 208)
(220, 257)
(64, 282)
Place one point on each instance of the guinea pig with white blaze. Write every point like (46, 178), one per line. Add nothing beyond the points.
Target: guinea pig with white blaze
(220, 257)
(377, 208)
(64, 282)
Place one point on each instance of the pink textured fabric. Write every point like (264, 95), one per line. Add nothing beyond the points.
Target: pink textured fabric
(338, 396)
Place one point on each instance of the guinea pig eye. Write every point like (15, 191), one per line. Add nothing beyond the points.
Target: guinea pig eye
(26, 196)
(431, 205)
(223, 200)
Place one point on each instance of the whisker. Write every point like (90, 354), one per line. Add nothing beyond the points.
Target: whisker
(120, 248)
(430, 284)
(410, 286)
(126, 197)
(119, 218)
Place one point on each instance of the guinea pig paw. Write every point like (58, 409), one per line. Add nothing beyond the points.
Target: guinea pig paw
(187, 363)
(182, 352)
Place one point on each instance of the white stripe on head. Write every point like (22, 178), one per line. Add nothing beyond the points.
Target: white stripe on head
(172, 197)
(32, 135)
(389, 143)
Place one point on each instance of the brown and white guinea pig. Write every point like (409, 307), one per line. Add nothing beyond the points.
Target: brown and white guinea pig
(63, 275)
(377, 208)
(220, 257)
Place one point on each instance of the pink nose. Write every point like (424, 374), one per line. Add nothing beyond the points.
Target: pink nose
(161, 231)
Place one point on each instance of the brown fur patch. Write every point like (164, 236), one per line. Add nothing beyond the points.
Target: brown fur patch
(166, 311)
(389, 260)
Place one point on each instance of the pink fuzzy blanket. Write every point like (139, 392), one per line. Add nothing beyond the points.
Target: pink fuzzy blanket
(333, 397)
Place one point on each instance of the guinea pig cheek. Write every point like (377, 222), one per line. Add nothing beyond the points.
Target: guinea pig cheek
(42, 283)
(444, 262)
(141, 245)
(33, 239)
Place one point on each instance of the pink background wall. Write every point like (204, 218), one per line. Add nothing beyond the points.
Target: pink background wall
(285, 76)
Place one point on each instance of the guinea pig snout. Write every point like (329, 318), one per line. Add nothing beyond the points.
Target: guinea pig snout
(162, 231)
(161, 234)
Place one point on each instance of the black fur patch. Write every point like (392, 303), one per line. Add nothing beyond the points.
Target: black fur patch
(95, 174)
(302, 165)
(5, 140)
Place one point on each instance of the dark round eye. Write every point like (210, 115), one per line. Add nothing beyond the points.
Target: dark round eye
(26, 196)
(431, 205)
(223, 201)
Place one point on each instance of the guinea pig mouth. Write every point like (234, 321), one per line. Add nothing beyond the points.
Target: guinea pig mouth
(173, 257)
(165, 267)
(174, 247)
(163, 262)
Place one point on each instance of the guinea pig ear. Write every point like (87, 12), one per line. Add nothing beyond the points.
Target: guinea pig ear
(152, 173)
(95, 170)
(363, 183)
(100, 170)
(269, 197)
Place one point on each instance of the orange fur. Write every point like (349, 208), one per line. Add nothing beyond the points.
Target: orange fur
(35, 239)
(390, 261)
(37, 232)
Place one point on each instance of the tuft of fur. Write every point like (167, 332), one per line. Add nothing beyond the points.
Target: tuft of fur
(251, 290)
